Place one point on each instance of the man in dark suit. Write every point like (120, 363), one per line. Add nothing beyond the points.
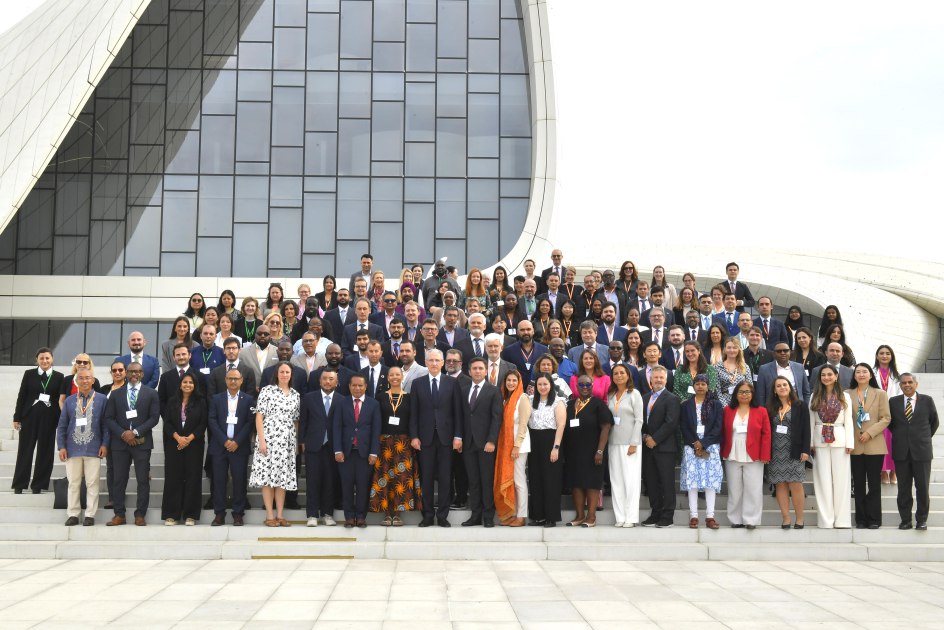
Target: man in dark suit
(782, 365)
(729, 318)
(693, 329)
(476, 343)
(231, 348)
(496, 368)
(741, 291)
(662, 410)
(301, 326)
(230, 422)
(525, 352)
(356, 360)
(773, 330)
(356, 439)
(658, 300)
(36, 416)
(299, 376)
(652, 356)
(131, 414)
(386, 316)
(673, 353)
(437, 418)
(553, 294)
(315, 426)
(451, 334)
(609, 293)
(643, 301)
(367, 264)
(429, 341)
(557, 268)
(152, 367)
(340, 316)
(610, 330)
(391, 347)
(361, 314)
(169, 383)
(657, 331)
(333, 357)
(375, 372)
(913, 425)
(833, 357)
(481, 435)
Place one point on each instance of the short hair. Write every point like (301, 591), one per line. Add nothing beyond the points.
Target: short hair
(231, 341)
(475, 316)
(182, 344)
(362, 333)
(554, 273)
(676, 327)
(357, 375)
(373, 343)
(656, 289)
(659, 368)
(645, 346)
(450, 308)
(609, 304)
(588, 324)
(435, 352)
(656, 309)
(477, 360)
(495, 337)
(913, 377)
(732, 264)
(361, 299)
(407, 342)
(367, 256)
(454, 352)
(757, 330)
(43, 350)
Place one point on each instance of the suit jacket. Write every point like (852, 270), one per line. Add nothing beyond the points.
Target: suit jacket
(646, 337)
(348, 346)
(169, 384)
(662, 420)
(644, 381)
(777, 332)
(333, 317)
(722, 319)
(148, 408)
(912, 440)
(514, 354)
(444, 416)
(621, 303)
(619, 334)
(758, 433)
(876, 406)
(27, 407)
(603, 351)
(315, 427)
(299, 378)
(669, 317)
(701, 336)
(216, 422)
(217, 382)
(355, 276)
(484, 418)
(689, 422)
(196, 424)
(668, 358)
(248, 356)
(421, 350)
(768, 373)
(845, 376)
(301, 360)
(458, 335)
(380, 318)
(151, 366)
(389, 358)
(504, 367)
(799, 430)
(382, 384)
(344, 379)
(366, 430)
(741, 292)
(353, 361)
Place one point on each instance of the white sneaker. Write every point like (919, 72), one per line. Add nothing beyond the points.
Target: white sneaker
(312, 522)
(629, 524)
(190, 522)
(329, 521)
(170, 521)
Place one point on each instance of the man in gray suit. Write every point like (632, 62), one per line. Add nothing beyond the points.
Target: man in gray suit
(496, 367)
(367, 264)
(260, 355)
(833, 357)
(588, 334)
(914, 422)
(782, 366)
(483, 421)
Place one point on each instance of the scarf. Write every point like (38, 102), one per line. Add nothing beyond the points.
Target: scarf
(828, 412)
(504, 484)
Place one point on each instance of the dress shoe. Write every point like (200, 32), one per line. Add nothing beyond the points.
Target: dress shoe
(539, 523)
(37, 491)
(238, 520)
(798, 526)
(550, 524)
(443, 522)
(711, 523)
(459, 505)
(72, 520)
(426, 522)
(219, 519)
(874, 526)
(361, 523)
(18, 491)
(472, 522)
(488, 523)
(922, 527)
(649, 522)
(904, 525)
(516, 522)
(88, 522)
(693, 522)
(737, 525)
(751, 527)
(139, 521)
(209, 504)
(109, 506)
(348, 523)
(664, 524)
(116, 520)
(860, 525)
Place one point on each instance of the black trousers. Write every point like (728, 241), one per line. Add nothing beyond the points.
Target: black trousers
(436, 467)
(39, 435)
(867, 484)
(355, 472)
(918, 473)
(123, 458)
(109, 473)
(321, 472)
(460, 479)
(658, 471)
(183, 481)
(545, 478)
(480, 467)
(236, 465)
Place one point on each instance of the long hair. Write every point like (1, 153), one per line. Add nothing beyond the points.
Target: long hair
(550, 393)
(275, 373)
(737, 388)
(190, 312)
(773, 400)
(173, 329)
(506, 393)
(597, 370)
(702, 365)
(819, 390)
(825, 323)
(872, 381)
(219, 303)
(739, 359)
(629, 379)
(892, 365)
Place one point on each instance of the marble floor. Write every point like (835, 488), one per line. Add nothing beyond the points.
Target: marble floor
(369, 594)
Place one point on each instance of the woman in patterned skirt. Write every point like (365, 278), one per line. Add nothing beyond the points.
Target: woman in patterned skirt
(396, 485)
(790, 420)
(701, 424)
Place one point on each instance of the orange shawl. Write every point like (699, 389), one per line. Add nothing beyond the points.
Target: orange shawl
(504, 486)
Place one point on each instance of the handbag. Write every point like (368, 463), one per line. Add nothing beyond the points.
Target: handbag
(60, 489)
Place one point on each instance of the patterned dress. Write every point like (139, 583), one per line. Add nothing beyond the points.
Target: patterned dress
(279, 414)
(696, 473)
(782, 467)
(396, 482)
(726, 382)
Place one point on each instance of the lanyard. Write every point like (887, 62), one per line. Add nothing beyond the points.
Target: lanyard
(783, 413)
(251, 333)
(84, 410)
(527, 357)
(46, 384)
(579, 407)
(206, 357)
(396, 405)
(884, 377)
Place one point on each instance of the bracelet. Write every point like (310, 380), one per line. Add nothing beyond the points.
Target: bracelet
(599, 452)
(556, 446)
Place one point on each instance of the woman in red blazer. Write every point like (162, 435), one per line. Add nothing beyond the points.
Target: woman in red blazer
(745, 446)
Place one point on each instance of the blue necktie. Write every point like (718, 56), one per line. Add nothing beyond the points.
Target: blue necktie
(435, 390)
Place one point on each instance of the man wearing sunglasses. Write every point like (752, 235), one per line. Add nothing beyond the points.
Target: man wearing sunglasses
(385, 317)
(782, 366)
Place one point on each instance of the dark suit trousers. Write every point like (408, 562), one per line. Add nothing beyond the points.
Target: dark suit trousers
(480, 467)
(436, 466)
(36, 434)
(320, 479)
(917, 473)
(123, 458)
(236, 464)
(545, 479)
(658, 470)
(109, 473)
(183, 481)
(460, 479)
(355, 474)
(867, 484)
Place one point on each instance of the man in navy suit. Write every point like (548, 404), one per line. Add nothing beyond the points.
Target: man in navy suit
(131, 414)
(484, 420)
(314, 432)
(437, 417)
(340, 316)
(375, 372)
(333, 357)
(386, 316)
(152, 367)
(729, 318)
(790, 370)
(361, 315)
(170, 380)
(693, 330)
(662, 410)
(525, 352)
(773, 330)
(451, 334)
(230, 422)
(610, 330)
(356, 439)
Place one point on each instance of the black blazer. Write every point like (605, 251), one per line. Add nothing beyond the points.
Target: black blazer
(196, 422)
(484, 418)
(421, 350)
(148, 407)
(382, 384)
(66, 388)
(27, 408)
(741, 292)
(445, 416)
(662, 422)
(239, 329)
(458, 335)
(800, 437)
(380, 318)
(333, 317)
(245, 422)
(912, 440)
(366, 429)
(344, 379)
(701, 337)
(217, 382)
(313, 424)
(689, 421)
(777, 332)
(621, 303)
(374, 331)
(389, 358)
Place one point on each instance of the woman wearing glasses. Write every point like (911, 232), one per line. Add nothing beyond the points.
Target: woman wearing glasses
(746, 448)
(81, 360)
(196, 308)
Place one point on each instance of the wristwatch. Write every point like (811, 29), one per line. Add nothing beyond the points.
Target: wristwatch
(599, 452)
(556, 446)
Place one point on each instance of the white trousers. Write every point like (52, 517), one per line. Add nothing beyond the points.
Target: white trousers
(745, 492)
(709, 503)
(78, 468)
(832, 485)
(625, 482)
(521, 486)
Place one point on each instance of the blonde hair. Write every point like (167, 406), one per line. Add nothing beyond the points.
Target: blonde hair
(741, 365)
(90, 366)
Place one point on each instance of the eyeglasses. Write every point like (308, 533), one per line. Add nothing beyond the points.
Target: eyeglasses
(390, 301)
(117, 370)
(779, 350)
(197, 300)
(135, 371)
(745, 392)
(80, 362)
(234, 378)
(585, 385)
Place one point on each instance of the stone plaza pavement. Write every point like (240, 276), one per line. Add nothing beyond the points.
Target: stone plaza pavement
(546, 595)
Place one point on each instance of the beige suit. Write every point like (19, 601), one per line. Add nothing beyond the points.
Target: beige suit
(876, 406)
(248, 355)
(301, 360)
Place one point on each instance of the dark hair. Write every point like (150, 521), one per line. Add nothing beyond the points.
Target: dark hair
(597, 369)
(476, 360)
(872, 381)
(824, 324)
(629, 379)
(734, 264)
(368, 256)
(190, 312)
(173, 329)
(357, 375)
(724, 333)
(702, 361)
(195, 395)
(268, 300)
(892, 365)
(504, 391)
(230, 341)
(43, 350)
(547, 355)
(819, 389)
(734, 396)
(288, 303)
(182, 344)
(219, 303)
(773, 400)
(275, 372)
(550, 393)
(332, 279)
(537, 309)
(634, 276)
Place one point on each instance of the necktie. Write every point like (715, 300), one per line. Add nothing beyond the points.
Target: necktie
(43, 376)
(730, 320)
(676, 357)
(133, 397)
(478, 347)
(357, 416)
(694, 334)
(327, 403)
(396, 348)
(370, 389)
(475, 396)
(362, 327)
(181, 370)
(412, 334)
(435, 390)
(230, 366)
(909, 410)
(766, 329)
(732, 287)
(706, 322)
(655, 337)
(645, 305)
(492, 374)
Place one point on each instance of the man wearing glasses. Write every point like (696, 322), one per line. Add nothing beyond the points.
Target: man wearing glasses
(230, 423)
(385, 317)
(782, 366)
(152, 368)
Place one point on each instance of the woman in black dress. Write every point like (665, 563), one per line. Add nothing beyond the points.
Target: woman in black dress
(185, 424)
(585, 437)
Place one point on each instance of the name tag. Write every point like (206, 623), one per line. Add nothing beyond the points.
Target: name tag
(527, 366)
(395, 421)
(755, 378)
(204, 370)
(782, 429)
(131, 414)
(807, 373)
(44, 398)
(231, 419)
(691, 389)
(731, 389)
(700, 430)
(574, 422)
(866, 418)
(511, 331)
(740, 428)
(81, 421)
(616, 420)
(500, 303)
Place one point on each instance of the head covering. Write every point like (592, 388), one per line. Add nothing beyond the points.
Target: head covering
(408, 285)
(700, 378)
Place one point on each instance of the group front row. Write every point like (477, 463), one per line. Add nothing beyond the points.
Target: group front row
(388, 452)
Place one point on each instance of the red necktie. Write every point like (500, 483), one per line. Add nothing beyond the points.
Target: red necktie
(357, 416)
(766, 331)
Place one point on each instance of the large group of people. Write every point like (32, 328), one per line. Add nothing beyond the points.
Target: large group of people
(496, 395)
